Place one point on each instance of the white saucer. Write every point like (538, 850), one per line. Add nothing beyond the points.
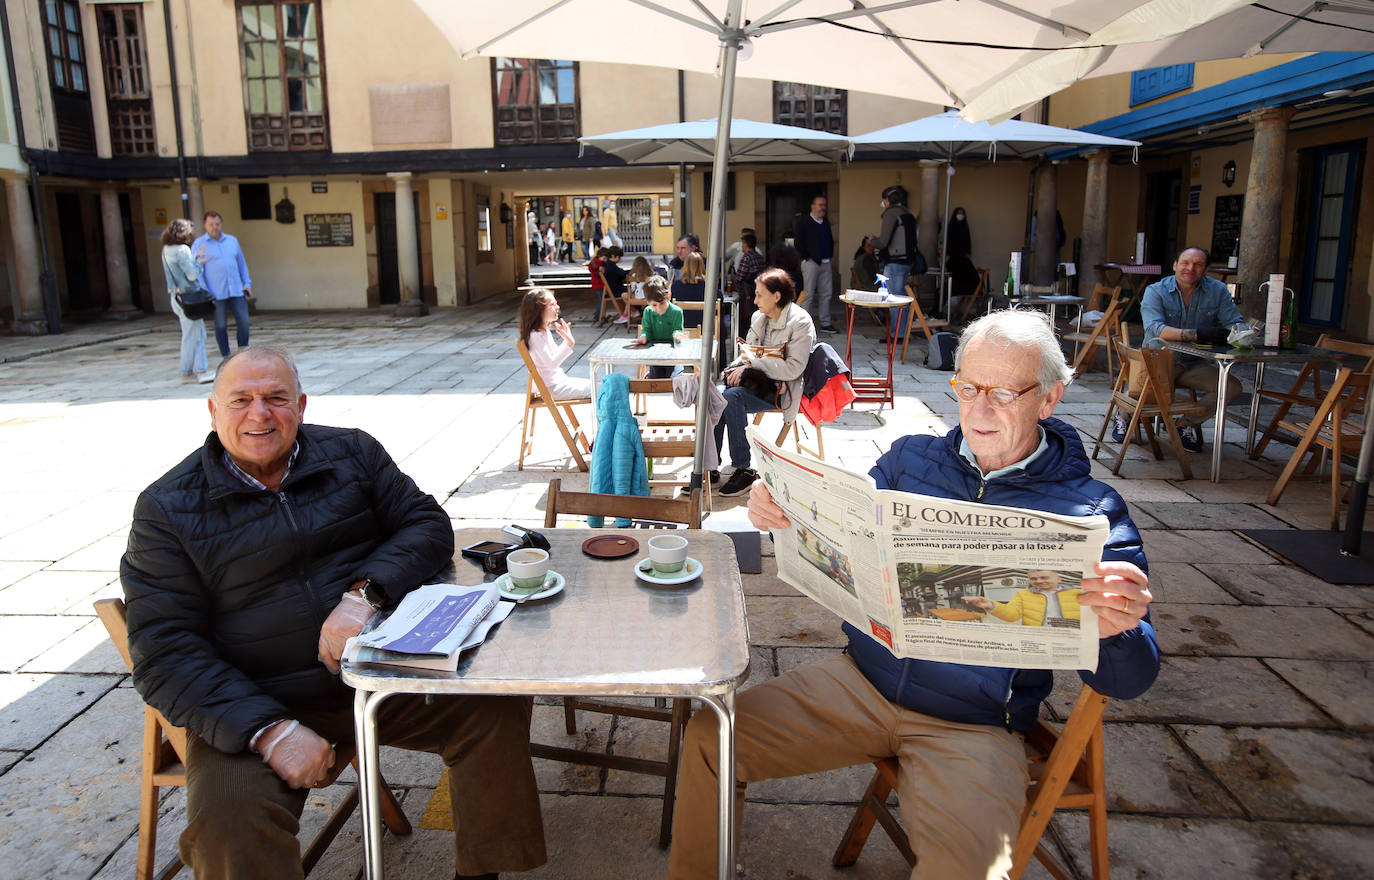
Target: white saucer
(690, 572)
(553, 584)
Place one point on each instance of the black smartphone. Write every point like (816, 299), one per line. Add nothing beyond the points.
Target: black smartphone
(482, 549)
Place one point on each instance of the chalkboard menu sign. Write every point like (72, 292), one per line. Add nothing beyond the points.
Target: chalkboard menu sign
(329, 230)
(1226, 227)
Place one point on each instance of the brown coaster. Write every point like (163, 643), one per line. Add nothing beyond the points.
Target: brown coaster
(610, 546)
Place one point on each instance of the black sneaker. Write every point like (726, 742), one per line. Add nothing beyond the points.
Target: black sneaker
(739, 481)
(1191, 437)
(827, 328)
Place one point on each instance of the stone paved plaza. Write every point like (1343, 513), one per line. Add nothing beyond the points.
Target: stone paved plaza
(1251, 757)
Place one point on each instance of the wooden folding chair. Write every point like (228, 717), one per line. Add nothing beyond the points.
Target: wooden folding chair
(1086, 342)
(794, 428)
(537, 396)
(1145, 388)
(1336, 428)
(607, 298)
(687, 511)
(164, 764)
(1066, 770)
(927, 324)
(1297, 396)
(967, 302)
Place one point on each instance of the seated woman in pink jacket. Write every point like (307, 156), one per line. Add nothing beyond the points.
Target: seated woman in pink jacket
(550, 341)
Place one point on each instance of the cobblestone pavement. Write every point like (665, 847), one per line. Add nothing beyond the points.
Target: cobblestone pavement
(1251, 757)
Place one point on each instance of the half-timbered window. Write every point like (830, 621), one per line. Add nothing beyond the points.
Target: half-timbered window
(127, 96)
(808, 106)
(71, 91)
(535, 101)
(283, 75)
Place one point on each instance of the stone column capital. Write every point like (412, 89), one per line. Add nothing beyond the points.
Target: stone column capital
(1269, 115)
(399, 176)
(1101, 154)
(931, 163)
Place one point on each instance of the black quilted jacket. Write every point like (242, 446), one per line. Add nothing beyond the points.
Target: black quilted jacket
(227, 586)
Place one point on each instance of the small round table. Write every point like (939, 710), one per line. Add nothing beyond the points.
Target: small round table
(873, 389)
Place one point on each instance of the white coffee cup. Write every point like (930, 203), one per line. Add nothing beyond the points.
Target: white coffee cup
(668, 553)
(528, 567)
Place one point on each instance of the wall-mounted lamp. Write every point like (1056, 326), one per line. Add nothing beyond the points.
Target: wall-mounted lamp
(1228, 173)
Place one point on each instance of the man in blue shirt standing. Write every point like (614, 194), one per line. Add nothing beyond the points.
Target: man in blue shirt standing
(225, 276)
(1190, 306)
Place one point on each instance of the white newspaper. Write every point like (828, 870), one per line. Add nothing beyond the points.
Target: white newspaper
(431, 627)
(931, 578)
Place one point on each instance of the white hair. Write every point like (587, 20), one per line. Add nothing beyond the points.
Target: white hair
(262, 352)
(1021, 328)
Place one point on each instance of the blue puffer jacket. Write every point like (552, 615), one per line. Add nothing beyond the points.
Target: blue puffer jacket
(618, 466)
(1056, 482)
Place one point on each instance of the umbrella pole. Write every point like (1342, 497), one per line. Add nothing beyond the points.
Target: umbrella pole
(731, 38)
(941, 295)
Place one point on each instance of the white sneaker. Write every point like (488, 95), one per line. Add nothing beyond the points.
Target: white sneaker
(206, 377)
(621, 320)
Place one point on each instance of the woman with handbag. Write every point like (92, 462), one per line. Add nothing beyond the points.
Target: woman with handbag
(182, 273)
(768, 373)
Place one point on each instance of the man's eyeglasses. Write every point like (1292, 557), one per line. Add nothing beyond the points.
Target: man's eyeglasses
(999, 398)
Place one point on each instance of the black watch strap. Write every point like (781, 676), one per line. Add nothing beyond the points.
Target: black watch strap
(372, 592)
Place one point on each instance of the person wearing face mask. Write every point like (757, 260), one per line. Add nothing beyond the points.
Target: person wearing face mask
(959, 255)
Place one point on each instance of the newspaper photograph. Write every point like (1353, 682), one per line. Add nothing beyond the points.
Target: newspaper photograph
(933, 578)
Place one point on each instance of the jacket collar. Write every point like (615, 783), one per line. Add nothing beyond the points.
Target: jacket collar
(1062, 459)
(221, 483)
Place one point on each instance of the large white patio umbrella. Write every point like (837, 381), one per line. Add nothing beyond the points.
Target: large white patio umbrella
(931, 50)
(1177, 32)
(948, 136)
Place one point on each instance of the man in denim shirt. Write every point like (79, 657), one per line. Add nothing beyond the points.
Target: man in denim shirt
(1190, 306)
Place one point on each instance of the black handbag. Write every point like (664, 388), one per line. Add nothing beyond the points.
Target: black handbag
(195, 301)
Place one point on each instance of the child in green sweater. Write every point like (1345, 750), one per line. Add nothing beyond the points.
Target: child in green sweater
(660, 322)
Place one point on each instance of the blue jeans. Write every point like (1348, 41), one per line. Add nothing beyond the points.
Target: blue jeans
(739, 404)
(240, 306)
(192, 341)
(897, 276)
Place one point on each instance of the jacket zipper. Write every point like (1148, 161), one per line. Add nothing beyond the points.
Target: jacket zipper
(310, 596)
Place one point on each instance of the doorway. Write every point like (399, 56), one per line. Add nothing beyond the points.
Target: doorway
(1163, 207)
(785, 203)
(72, 232)
(388, 269)
(1330, 223)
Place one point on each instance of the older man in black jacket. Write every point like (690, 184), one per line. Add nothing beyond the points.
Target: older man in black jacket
(248, 566)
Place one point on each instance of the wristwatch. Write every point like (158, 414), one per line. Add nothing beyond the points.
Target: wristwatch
(372, 593)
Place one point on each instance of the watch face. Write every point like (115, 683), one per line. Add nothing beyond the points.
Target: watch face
(372, 594)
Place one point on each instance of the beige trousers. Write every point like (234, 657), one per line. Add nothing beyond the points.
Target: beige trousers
(1202, 378)
(242, 819)
(961, 786)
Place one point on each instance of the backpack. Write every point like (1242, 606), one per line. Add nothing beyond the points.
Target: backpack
(941, 354)
(914, 258)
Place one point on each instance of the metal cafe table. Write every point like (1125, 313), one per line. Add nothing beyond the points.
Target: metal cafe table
(1225, 357)
(616, 351)
(605, 634)
(873, 389)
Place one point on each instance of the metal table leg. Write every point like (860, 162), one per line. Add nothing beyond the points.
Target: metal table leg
(724, 706)
(1219, 429)
(365, 704)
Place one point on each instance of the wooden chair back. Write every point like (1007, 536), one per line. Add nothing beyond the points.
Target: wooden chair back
(1143, 391)
(927, 324)
(693, 306)
(685, 510)
(1099, 336)
(1336, 426)
(538, 396)
(164, 764)
(1297, 395)
(1067, 771)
